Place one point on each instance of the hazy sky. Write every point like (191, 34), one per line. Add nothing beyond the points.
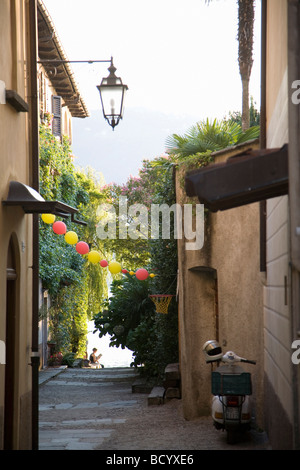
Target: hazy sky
(178, 58)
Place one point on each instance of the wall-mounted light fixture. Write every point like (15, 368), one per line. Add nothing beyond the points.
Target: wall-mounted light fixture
(112, 90)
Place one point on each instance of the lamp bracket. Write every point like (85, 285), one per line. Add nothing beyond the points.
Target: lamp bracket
(62, 61)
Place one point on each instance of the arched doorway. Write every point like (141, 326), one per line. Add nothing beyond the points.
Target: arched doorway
(11, 335)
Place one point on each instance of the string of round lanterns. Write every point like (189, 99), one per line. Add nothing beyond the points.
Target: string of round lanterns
(71, 238)
(82, 248)
(94, 257)
(142, 274)
(59, 228)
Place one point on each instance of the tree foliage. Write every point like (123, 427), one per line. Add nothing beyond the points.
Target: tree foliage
(254, 115)
(129, 315)
(79, 289)
(209, 136)
(76, 288)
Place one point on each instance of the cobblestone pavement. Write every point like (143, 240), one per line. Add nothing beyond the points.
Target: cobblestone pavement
(95, 409)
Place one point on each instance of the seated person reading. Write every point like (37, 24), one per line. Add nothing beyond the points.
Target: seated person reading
(94, 359)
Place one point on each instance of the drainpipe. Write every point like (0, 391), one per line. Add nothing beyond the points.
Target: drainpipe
(34, 138)
(294, 197)
(263, 140)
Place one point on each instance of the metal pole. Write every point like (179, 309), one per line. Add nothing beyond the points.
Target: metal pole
(62, 61)
(263, 204)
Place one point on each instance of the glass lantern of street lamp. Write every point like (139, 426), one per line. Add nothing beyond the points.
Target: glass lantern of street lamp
(112, 93)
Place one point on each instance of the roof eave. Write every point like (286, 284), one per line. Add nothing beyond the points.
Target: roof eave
(61, 74)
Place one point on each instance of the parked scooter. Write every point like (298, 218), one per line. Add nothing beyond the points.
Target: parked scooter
(231, 387)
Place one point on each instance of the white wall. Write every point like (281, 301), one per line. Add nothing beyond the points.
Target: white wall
(277, 328)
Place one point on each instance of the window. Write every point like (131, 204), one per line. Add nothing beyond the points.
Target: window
(56, 111)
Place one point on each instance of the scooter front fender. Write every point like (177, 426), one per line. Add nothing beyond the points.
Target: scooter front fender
(219, 417)
(217, 411)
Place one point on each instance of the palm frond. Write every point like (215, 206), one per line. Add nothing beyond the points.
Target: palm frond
(249, 134)
(208, 135)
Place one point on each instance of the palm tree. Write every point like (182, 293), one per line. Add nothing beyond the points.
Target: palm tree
(245, 53)
(245, 38)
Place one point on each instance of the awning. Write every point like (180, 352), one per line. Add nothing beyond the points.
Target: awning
(32, 202)
(248, 177)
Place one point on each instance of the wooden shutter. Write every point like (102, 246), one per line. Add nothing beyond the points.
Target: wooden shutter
(56, 111)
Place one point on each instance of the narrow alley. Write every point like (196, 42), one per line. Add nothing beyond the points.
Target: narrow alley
(96, 409)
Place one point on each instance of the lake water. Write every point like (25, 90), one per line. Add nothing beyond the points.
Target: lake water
(111, 356)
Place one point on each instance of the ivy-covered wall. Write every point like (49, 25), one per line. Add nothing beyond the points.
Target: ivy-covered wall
(76, 287)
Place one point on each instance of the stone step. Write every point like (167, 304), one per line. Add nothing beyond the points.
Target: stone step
(156, 397)
(172, 392)
(172, 372)
(141, 386)
(172, 376)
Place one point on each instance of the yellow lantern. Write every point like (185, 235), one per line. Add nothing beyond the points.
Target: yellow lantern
(71, 238)
(94, 257)
(48, 218)
(131, 273)
(114, 267)
(152, 275)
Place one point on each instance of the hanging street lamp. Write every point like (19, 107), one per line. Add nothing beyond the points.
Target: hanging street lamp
(112, 93)
(111, 89)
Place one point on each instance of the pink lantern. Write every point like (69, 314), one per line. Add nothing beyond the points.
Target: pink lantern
(59, 228)
(124, 271)
(82, 248)
(142, 274)
(103, 263)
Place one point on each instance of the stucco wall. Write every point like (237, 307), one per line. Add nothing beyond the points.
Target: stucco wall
(15, 165)
(223, 302)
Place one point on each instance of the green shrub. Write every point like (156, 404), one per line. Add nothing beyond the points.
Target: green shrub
(68, 359)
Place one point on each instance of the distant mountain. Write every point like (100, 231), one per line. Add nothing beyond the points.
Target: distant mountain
(118, 154)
